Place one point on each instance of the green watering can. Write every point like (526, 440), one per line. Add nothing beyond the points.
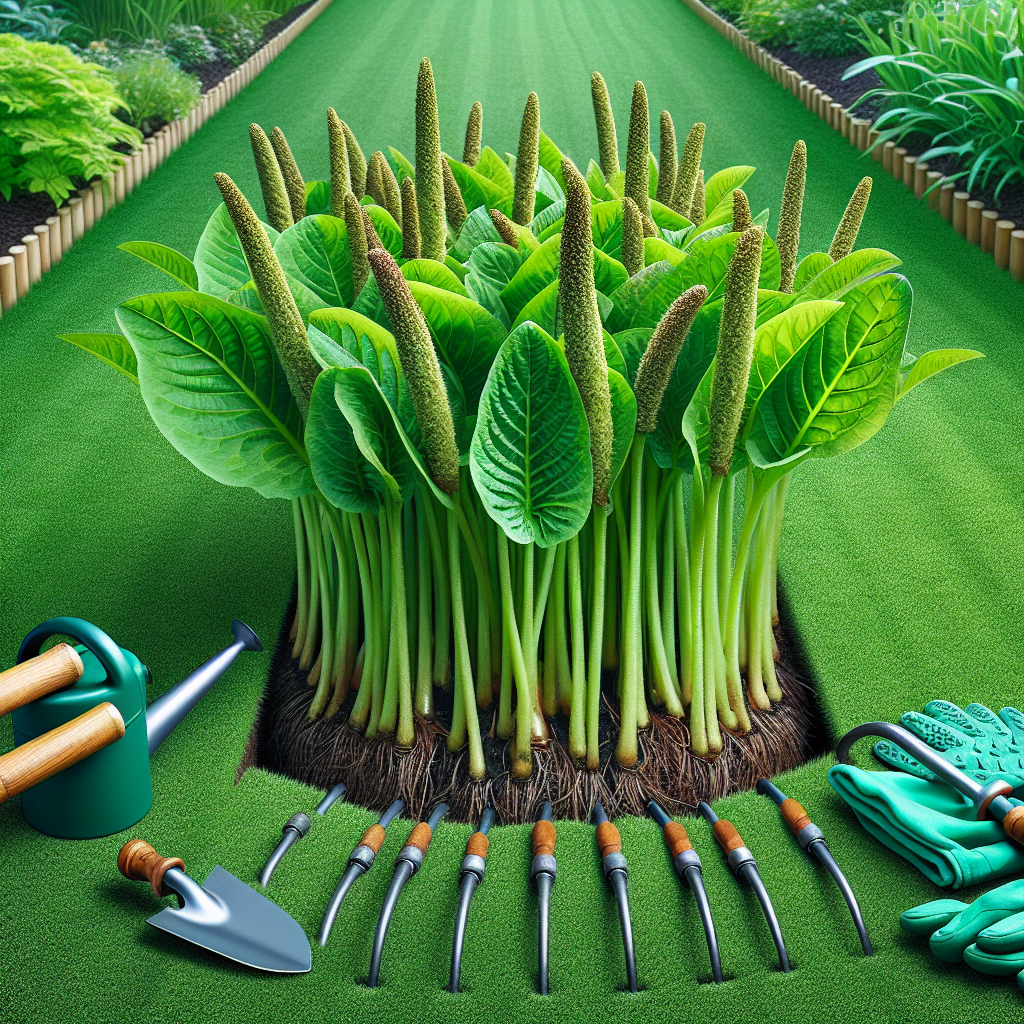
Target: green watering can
(109, 790)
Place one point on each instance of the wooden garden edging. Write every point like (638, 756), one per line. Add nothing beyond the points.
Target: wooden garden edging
(981, 227)
(26, 263)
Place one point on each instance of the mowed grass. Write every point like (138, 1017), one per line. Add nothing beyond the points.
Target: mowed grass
(902, 566)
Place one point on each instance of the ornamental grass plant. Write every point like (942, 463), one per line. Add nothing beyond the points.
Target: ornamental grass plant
(526, 479)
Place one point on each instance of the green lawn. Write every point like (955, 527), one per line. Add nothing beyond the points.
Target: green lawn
(902, 563)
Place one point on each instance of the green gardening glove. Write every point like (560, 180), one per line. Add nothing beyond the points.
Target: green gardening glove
(987, 934)
(981, 744)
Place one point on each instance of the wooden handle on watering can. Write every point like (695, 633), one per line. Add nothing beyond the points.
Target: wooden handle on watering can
(58, 749)
(140, 862)
(52, 670)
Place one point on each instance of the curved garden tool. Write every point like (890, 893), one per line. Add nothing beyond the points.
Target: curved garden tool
(110, 790)
(359, 862)
(294, 829)
(223, 914)
(408, 862)
(689, 868)
(974, 739)
(988, 799)
(742, 864)
(809, 836)
(987, 934)
(471, 874)
(543, 869)
(616, 873)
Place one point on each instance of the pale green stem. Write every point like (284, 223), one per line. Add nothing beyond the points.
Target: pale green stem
(323, 687)
(302, 564)
(425, 631)
(442, 591)
(598, 621)
(725, 517)
(522, 764)
(781, 493)
(357, 717)
(313, 581)
(682, 580)
(577, 719)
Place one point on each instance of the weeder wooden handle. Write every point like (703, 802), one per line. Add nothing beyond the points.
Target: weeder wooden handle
(676, 838)
(373, 837)
(58, 749)
(608, 839)
(728, 838)
(794, 814)
(477, 845)
(544, 837)
(52, 670)
(420, 837)
(140, 862)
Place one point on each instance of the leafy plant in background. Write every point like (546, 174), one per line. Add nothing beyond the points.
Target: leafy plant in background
(954, 74)
(32, 20)
(189, 46)
(57, 124)
(558, 445)
(825, 28)
(237, 34)
(155, 91)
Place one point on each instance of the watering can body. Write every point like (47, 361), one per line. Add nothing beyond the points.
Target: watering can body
(110, 790)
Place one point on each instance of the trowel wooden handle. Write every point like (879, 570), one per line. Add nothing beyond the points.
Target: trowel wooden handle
(140, 862)
(59, 749)
(52, 670)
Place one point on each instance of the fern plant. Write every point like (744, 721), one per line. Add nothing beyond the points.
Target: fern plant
(57, 124)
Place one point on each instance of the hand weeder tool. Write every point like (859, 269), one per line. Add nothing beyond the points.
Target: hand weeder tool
(223, 914)
(359, 862)
(408, 862)
(471, 874)
(543, 870)
(689, 869)
(616, 872)
(294, 829)
(990, 800)
(809, 836)
(742, 864)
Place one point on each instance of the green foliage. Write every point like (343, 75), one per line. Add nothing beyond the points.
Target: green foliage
(155, 92)
(56, 119)
(189, 46)
(32, 20)
(955, 75)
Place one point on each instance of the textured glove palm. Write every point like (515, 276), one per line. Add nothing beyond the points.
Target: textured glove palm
(981, 744)
(987, 934)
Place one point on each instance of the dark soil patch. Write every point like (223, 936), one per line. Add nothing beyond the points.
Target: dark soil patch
(19, 216)
(327, 751)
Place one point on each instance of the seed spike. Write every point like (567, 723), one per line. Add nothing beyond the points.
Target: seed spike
(429, 182)
(787, 240)
(667, 160)
(283, 318)
(356, 163)
(849, 227)
(741, 218)
(341, 183)
(697, 207)
(525, 196)
(584, 338)
(474, 135)
(390, 194)
(659, 358)
(632, 237)
(638, 151)
(356, 242)
(410, 221)
(454, 204)
(372, 238)
(422, 371)
(374, 182)
(293, 183)
(607, 144)
(735, 349)
(505, 228)
(689, 164)
(275, 196)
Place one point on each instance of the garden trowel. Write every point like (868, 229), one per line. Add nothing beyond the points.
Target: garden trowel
(223, 914)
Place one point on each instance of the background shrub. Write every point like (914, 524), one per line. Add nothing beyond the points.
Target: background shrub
(155, 91)
(57, 124)
(818, 27)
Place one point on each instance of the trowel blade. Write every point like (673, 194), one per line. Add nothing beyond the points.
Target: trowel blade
(245, 927)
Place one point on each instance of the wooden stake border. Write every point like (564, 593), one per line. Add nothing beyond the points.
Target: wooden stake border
(81, 211)
(1004, 243)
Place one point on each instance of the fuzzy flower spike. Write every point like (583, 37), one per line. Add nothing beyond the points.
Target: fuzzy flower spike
(429, 182)
(275, 196)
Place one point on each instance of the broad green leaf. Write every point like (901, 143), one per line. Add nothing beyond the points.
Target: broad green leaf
(530, 454)
(220, 264)
(667, 219)
(595, 179)
(432, 272)
(387, 229)
(839, 389)
(657, 249)
(215, 389)
(315, 253)
(164, 258)
(492, 167)
(475, 188)
(543, 311)
(623, 421)
(490, 267)
(612, 353)
(550, 158)
(548, 188)
(112, 349)
(457, 268)
(476, 229)
(606, 227)
(456, 403)
(318, 197)
(466, 336)
(616, 184)
(401, 165)
(628, 298)
(809, 268)
(835, 280)
(305, 298)
(920, 369)
(369, 304)
(721, 185)
(652, 176)
(337, 333)
(546, 217)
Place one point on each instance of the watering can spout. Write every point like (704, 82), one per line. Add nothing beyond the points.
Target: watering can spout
(168, 710)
